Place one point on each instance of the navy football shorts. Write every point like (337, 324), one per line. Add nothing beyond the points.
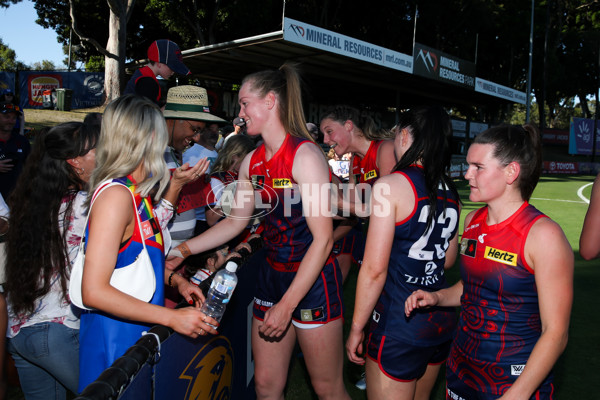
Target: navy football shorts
(404, 362)
(322, 304)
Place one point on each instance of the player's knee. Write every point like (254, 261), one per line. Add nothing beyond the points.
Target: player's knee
(266, 386)
(327, 388)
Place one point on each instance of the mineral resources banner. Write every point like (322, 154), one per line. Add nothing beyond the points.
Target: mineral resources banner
(494, 89)
(581, 136)
(434, 64)
(87, 87)
(319, 38)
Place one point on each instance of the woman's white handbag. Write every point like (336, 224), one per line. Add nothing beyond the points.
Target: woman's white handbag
(136, 279)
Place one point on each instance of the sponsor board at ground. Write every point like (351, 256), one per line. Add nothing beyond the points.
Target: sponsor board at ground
(589, 168)
(556, 167)
(555, 136)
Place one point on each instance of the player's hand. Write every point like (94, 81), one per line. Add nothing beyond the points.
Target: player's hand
(276, 322)
(420, 299)
(354, 346)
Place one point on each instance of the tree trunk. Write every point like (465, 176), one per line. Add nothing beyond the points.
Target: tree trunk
(585, 109)
(114, 53)
(114, 72)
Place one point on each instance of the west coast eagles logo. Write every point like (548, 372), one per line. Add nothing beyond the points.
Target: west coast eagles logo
(210, 371)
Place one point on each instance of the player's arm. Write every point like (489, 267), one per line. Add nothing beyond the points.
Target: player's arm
(392, 200)
(386, 157)
(548, 252)
(227, 229)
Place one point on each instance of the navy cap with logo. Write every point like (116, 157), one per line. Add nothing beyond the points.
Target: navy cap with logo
(167, 52)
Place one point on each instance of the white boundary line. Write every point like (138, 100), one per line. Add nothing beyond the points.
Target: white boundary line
(565, 201)
(580, 192)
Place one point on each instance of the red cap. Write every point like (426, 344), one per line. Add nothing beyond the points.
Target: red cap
(167, 52)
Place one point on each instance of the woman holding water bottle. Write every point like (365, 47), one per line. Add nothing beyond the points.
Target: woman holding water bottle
(299, 293)
(115, 237)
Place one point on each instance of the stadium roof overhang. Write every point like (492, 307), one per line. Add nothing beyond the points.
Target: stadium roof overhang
(330, 77)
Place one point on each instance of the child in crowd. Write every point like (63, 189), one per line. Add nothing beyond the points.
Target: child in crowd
(203, 265)
(165, 60)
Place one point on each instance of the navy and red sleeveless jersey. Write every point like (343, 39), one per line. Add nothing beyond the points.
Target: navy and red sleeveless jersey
(286, 234)
(500, 319)
(150, 89)
(365, 169)
(417, 262)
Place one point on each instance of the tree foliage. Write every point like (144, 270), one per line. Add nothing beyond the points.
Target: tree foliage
(8, 60)
(493, 33)
(44, 65)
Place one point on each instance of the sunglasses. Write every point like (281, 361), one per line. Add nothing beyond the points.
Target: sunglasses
(6, 108)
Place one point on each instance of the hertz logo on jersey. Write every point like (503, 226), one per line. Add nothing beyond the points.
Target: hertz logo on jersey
(370, 175)
(282, 183)
(504, 257)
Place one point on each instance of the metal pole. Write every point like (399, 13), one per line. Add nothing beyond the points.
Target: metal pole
(476, 46)
(415, 28)
(530, 63)
(69, 62)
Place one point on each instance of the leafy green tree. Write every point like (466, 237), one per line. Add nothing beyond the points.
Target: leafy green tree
(8, 60)
(6, 3)
(95, 64)
(43, 65)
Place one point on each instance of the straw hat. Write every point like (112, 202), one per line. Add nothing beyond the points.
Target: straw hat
(189, 102)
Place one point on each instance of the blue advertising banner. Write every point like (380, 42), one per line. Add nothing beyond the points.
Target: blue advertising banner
(87, 87)
(581, 137)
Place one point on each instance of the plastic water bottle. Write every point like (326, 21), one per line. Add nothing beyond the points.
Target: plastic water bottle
(220, 292)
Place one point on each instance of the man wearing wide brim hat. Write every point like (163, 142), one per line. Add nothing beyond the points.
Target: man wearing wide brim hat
(187, 113)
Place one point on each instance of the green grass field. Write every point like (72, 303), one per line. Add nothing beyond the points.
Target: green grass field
(576, 371)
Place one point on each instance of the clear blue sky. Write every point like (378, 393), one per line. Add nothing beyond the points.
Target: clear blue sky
(30, 41)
